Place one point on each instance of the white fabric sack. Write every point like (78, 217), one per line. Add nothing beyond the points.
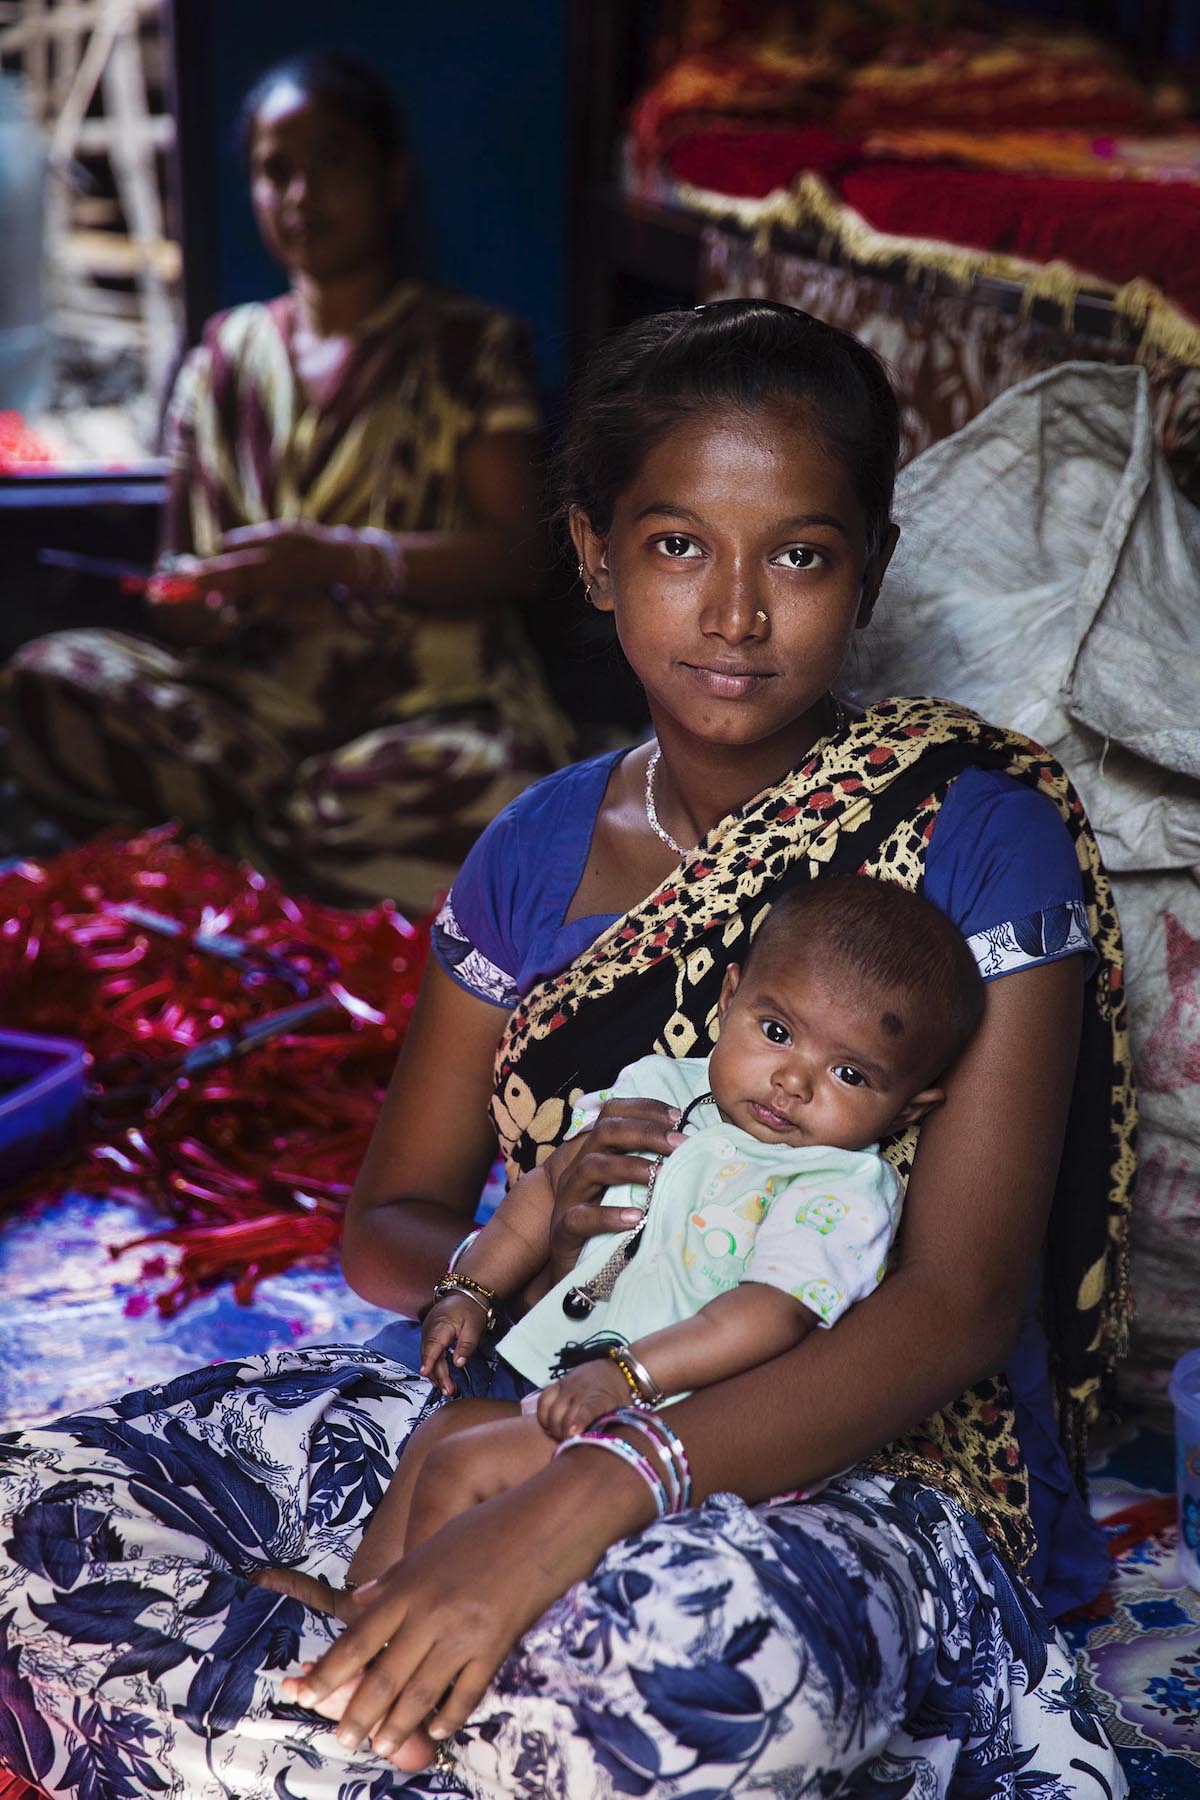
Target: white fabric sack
(1048, 575)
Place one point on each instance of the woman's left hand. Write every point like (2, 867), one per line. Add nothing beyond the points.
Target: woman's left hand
(431, 1633)
(280, 557)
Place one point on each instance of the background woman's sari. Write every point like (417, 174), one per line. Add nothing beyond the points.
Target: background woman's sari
(361, 750)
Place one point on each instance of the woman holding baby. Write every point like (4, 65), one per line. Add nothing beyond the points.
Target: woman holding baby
(728, 482)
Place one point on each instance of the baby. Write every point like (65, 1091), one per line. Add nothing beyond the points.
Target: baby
(772, 1216)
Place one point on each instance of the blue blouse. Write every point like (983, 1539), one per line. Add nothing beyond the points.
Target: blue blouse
(1000, 863)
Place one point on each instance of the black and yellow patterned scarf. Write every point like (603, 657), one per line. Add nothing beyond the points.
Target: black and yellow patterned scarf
(866, 800)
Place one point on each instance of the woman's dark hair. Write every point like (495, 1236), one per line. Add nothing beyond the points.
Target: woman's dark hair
(746, 354)
(338, 82)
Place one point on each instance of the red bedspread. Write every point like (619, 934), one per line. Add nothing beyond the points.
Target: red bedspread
(1117, 230)
(933, 119)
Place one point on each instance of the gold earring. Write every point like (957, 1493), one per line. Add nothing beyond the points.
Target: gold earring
(587, 586)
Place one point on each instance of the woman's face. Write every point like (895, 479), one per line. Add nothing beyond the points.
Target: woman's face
(324, 196)
(736, 571)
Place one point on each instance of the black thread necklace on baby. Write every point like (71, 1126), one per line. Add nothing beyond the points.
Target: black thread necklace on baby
(579, 1301)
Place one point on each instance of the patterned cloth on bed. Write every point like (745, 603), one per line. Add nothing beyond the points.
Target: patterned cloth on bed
(1009, 135)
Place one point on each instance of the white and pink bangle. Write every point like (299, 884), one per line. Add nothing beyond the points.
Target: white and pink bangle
(676, 1468)
(668, 1475)
(591, 1439)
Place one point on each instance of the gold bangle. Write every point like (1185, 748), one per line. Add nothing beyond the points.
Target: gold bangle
(468, 1281)
(471, 1290)
(642, 1386)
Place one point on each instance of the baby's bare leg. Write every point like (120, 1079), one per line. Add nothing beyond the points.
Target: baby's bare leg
(382, 1542)
(497, 1448)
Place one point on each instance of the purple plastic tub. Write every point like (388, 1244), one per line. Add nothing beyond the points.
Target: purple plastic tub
(42, 1086)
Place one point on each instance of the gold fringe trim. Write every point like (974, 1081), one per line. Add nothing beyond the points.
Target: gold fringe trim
(811, 205)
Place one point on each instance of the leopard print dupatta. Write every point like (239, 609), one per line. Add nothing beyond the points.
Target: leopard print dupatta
(866, 800)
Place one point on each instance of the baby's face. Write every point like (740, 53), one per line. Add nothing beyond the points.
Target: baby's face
(812, 1054)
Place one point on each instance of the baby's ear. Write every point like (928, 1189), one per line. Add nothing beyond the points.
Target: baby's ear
(729, 988)
(920, 1104)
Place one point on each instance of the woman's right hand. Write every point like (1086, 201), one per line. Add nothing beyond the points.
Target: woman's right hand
(612, 1153)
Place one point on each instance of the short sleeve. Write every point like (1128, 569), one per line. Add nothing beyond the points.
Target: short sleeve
(1002, 865)
(826, 1239)
(472, 935)
(501, 387)
(501, 927)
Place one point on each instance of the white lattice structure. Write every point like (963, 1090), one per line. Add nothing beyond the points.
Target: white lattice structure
(96, 74)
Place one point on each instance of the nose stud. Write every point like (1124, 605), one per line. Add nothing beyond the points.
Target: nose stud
(760, 617)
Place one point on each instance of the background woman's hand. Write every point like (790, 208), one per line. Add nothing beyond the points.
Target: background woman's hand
(283, 556)
(582, 1170)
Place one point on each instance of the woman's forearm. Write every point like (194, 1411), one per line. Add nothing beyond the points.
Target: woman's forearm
(453, 574)
(457, 574)
(430, 1152)
(798, 1419)
(841, 1394)
(398, 1250)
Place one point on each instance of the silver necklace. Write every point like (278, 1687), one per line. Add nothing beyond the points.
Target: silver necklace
(839, 721)
(652, 812)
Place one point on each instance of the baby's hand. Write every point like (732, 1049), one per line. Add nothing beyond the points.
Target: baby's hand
(458, 1321)
(569, 1406)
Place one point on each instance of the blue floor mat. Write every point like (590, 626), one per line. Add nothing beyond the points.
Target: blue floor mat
(1140, 1654)
(78, 1325)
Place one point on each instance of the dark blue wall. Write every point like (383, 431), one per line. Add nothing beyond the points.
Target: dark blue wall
(483, 87)
(1178, 26)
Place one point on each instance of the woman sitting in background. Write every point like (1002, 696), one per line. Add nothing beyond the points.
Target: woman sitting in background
(351, 699)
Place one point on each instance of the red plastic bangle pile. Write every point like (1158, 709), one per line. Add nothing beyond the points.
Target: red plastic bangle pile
(251, 1161)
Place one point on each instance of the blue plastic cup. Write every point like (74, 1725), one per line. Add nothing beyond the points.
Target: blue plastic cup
(1185, 1397)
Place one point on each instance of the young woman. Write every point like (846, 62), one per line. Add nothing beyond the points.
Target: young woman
(351, 698)
(729, 480)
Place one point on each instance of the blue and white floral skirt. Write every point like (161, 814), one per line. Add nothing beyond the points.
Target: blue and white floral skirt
(868, 1642)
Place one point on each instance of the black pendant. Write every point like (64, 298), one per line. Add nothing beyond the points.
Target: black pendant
(577, 1303)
